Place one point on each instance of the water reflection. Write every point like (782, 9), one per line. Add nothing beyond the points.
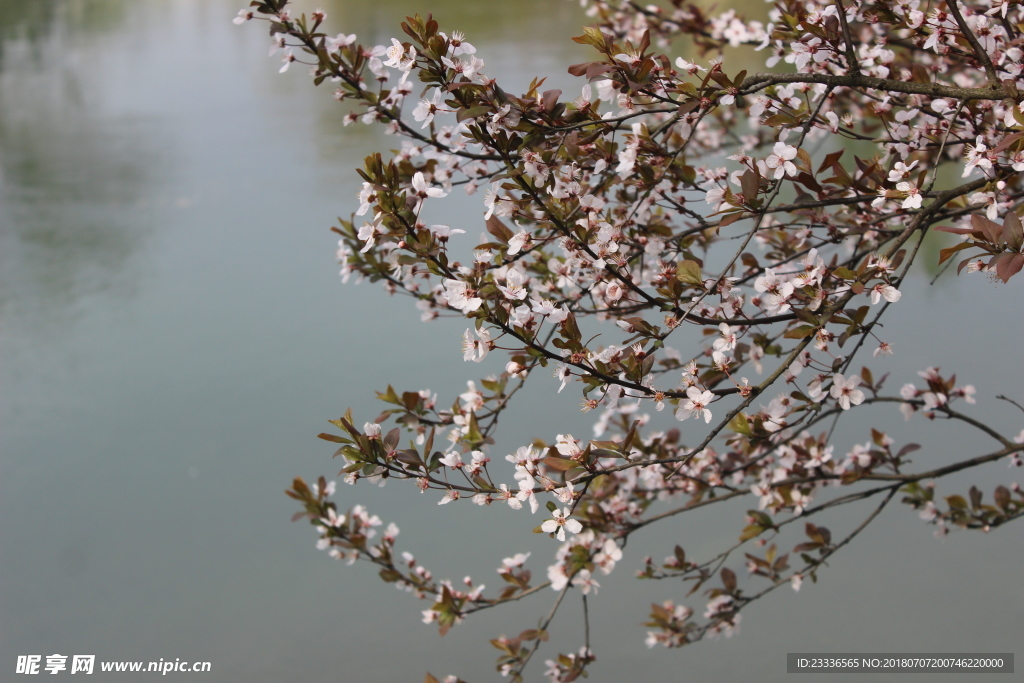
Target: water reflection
(30, 24)
(70, 164)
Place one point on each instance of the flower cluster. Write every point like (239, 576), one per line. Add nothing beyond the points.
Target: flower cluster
(680, 234)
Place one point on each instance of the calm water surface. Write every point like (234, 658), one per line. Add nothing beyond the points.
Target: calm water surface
(174, 334)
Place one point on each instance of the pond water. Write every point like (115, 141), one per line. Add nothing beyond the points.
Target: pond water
(173, 335)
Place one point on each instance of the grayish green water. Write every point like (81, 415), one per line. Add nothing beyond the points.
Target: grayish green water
(174, 335)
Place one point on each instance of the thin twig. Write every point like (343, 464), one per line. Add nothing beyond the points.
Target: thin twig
(979, 51)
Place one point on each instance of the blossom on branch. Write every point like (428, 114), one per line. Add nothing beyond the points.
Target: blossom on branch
(559, 522)
(695, 404)
(846, 391)
(676, 215)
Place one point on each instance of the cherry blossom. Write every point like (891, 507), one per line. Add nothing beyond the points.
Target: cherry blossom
(884, 349)
(695, 404)
(457, 44)
(884, 291)
(397, 57)
(585, 582)
(518, 242)
(701, 220)
(559, 522)
(461, 296)
(914, 199)
(422, 190)
(476, 349)
(780, 160)
(427, 109)
(846, 391)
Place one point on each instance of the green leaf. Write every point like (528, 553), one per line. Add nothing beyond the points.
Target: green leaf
(472, 112)
(761, 518)
(332, 437)
(800, 332)
(390, 575)
(591, 36)
(740, 424)
(351, 454)
(346, 424)
(956, 502)
(689, 272)
(780, 120)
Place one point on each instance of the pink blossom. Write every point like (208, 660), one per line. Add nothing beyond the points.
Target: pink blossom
(585, 582)
(518, 242)
(780, 160)
(884, 291)
(559, 522)
(695, 404)
(845, 390)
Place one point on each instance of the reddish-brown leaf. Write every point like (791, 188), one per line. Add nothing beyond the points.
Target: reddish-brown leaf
(1008, 265)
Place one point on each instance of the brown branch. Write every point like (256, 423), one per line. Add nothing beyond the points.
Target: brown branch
(851, 57)
(979, 51)
(760, 81)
